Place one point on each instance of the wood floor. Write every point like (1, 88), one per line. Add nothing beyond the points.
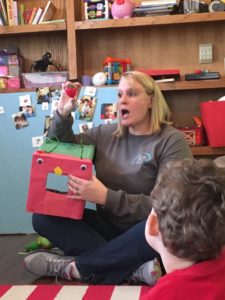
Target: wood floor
(12, 269)
(11, 262)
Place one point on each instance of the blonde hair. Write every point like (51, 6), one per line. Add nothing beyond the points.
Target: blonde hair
(160, 112)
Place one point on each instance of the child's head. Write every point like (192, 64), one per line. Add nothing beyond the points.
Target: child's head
(108, 111)
(20, 118)
(29, 109)
(220, 161)
(42, 91)
(189, 208)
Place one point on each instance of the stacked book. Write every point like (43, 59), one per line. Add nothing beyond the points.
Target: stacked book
(14, 13)
(155, 8)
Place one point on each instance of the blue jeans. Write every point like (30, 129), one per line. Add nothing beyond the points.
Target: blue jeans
(104, 254)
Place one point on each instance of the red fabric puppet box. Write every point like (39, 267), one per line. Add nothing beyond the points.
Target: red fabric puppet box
(60, 159)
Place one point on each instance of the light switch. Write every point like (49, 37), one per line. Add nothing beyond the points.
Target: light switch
(205, 53)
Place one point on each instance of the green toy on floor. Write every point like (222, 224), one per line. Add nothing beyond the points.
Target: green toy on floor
(40, 243)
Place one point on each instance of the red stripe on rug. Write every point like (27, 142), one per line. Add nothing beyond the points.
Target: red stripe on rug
(144, 291)
(99, 292)
(45, 292)
(4, 289)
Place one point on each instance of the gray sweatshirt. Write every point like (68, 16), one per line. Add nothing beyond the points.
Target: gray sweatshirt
(127, 166)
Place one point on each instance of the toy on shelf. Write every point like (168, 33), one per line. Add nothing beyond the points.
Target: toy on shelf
(194, 134)
(96, 9)
(43, 64)
(122, 9)
(114, 68)
(51, 164)
(99, 79)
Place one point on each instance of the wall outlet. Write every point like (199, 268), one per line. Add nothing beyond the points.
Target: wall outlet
(205, 53)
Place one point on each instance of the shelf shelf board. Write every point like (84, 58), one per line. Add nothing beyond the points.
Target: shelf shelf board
(11, 91)
(182, 85)
(19, 29)
(150, 21)
(207, 151)
(193, 85)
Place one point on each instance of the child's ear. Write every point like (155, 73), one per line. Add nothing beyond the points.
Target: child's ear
(152, 225)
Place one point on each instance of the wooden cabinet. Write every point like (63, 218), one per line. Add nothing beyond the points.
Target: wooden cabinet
(166, 42)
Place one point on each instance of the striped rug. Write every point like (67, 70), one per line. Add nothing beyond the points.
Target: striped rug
(69, 292)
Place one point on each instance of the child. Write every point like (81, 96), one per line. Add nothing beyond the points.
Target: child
(109, 112)
(29, 111)
(187, 227)
(43, 95)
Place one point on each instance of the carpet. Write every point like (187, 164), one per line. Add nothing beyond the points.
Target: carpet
(69, 292)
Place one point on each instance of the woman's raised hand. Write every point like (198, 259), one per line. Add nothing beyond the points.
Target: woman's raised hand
(68, 99)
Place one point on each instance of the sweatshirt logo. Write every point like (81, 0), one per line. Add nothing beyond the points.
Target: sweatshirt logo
(142, 158)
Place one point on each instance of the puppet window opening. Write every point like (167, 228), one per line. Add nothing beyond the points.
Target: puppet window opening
(57, 184)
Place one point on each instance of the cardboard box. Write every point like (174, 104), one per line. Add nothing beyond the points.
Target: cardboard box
(3, 60)
(3, 83)
(14, 70)
(4, 71)
(59, 159)
(14, 83)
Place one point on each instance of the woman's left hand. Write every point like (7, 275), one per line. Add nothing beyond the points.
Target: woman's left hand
(92, 190)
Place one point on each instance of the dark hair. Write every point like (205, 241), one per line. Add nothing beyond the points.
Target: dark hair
(189, 200)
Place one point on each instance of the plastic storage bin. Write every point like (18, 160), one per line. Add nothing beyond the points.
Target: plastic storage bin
(213, 118)
(44, 79)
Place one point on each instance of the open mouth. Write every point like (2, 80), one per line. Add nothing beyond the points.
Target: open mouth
(124, 113)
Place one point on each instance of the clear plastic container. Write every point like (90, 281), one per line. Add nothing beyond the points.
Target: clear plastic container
(44, 79)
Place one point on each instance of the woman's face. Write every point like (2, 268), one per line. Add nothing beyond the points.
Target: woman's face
(134, 106)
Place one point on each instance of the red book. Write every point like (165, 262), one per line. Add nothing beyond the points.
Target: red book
(26, 15)
(32, 15)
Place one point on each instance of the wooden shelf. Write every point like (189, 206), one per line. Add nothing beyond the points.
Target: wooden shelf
(175, 86)
(116, 23)
(192, 85)
(11, 91)
(18, 29)
(151, 21)
(207, 151)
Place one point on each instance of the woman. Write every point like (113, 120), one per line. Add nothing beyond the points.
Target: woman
(108, 245)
